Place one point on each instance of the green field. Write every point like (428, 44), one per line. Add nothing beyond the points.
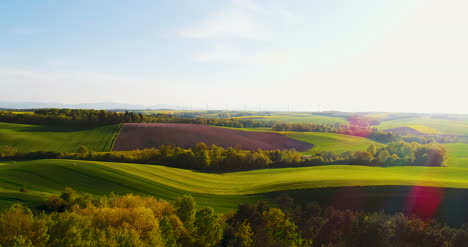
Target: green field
(443, 126)
(332, 142)
(299, 118)
(221, 191)
(458, 154)
(28, 138)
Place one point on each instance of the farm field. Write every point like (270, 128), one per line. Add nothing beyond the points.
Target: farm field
(324, 141)
(222, 191)
(299, 118)
(332, 142)
(28, 138)
(457, 154)
(290, 117)
(443, 126)
(141, 136)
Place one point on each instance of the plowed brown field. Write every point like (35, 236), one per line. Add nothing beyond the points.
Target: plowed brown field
(152, 135)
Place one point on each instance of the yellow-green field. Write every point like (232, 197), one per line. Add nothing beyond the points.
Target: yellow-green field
(424, 129)
(22, 112)
(442, 126)
(458, 154)
(222, 191)
(332, 142)
(28, 138)
(299, 118)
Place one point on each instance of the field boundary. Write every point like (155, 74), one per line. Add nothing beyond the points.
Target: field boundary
(115, 137)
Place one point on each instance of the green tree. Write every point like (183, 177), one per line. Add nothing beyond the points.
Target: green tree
(6, 150)
(168, 234)
(372, 149)
(83, 150)
(207, 228)
(383, 156)
(329, 155)
(244, 235)
(362, 158)
(186, 208)
(282, 229)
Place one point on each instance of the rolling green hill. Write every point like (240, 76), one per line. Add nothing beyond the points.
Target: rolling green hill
(28, 138)
(221, 191)
(458, 155)
(332, 142)
(299, 118)
(443, 126)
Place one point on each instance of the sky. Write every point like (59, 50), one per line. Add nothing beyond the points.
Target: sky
(304, 55)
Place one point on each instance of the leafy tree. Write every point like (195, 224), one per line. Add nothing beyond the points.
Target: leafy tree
(329, 155)
(372, 149)
(83, 150)
(168, 233)
(383, 156)
(280, 227)
(207, 228)
(362, 157)
(186, 208)
(18, 227)
(6, 151)
(244, 235)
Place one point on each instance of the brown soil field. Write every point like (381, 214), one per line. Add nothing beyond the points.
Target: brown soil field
(152, 135)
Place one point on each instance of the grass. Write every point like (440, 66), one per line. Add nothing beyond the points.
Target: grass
(443, 126)
(424, 129)
(28, 138)
(221, 191)
(332, 142)
(299, 118)
(458, 154)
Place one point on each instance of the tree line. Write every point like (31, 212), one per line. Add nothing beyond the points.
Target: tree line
(88, 118)
(73, 219)
(352, 130)
(358, 125)
(218, 159)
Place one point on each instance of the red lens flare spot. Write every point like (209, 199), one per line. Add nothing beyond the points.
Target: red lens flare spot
(424, 202)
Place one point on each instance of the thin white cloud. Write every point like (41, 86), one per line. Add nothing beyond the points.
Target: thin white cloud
(244, 19)
(227, 23)
(233, 31)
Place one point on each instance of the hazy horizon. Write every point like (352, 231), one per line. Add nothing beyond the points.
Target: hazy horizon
(359, 56)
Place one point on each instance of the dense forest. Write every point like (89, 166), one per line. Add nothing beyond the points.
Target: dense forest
(73, 219)
(217, 159)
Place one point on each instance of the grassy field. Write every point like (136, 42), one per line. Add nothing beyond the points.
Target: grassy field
(424, 129)
(332, 142)
(27, 138)
(443, 126)
(222, 191)
(299, 118)
(458, 154)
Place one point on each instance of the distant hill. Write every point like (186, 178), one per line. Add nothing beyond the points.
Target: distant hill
(98, 106)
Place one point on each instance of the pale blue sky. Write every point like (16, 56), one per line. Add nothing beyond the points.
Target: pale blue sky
(361, 55)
